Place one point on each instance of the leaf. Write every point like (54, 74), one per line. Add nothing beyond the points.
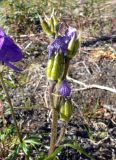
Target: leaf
(7, 111)
(33, 140)
(42, 156)
(5, 133)
(53, 155)
(13, 154)
(24, 148)
(79, 149)
(10, 83)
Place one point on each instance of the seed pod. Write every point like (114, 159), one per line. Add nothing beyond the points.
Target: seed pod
(76, 46)
(51, 24)
(56, 24)
(71, 46)
(57, 68)
(65, 110)
(45, 26)
(49, 67)
(56, 72)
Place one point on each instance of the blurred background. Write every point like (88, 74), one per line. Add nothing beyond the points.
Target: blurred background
(94, 17)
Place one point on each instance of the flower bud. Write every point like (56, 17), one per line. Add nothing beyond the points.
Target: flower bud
(49, 67)
(57, 68)
(45, 26)
(65, 110)
(71, 46)
(65, 89)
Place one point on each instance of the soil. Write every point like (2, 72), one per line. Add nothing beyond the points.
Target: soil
(93, 124)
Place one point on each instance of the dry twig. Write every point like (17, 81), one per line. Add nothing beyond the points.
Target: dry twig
(88, 86)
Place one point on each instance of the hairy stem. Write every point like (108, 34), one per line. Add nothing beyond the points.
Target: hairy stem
(53, 131)
(54, 104)
(12, 110)
(11, 107)
(61, 136)
(54, 121)
(62, 130)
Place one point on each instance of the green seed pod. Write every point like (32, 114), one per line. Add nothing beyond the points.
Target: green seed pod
(55, 22)
(51, 22)
(65, 110)
(71, 46)
(49, 67)
(56, 72)
(45, 26)
(76, 46)
(57, 68)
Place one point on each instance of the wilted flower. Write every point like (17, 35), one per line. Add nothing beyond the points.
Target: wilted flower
(9, 51)
(65, 89)
(61, 43)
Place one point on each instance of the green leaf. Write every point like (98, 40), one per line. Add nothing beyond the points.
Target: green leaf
(10, 83)
(5, 133)
(53, 155)
(7, 111)
(33, 140)
(42, 156)
(13, 154)
(24, 148)
(79, 149)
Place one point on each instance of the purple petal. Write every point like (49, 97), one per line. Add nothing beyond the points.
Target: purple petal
(1, 38)
(12, 66)
(51, 50)
(70, 32)
(9, 51)
(65, 89)
(59, 44)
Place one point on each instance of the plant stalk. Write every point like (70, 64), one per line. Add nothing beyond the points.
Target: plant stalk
(55, 114)
(54, 121)
(11, 107)
(61, 136)
(62, 130)
(12, 111)
(53, 131)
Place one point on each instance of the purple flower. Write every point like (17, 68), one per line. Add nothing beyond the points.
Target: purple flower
(61, 43)
(70, 32)
(9, 51)
(65, 89)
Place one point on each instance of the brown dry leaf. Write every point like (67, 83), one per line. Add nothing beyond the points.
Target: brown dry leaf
(99, 53)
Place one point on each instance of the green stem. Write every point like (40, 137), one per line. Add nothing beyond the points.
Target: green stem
(53, 131)
(11, 107)
(55, 113)
(61, 136)
(62, 130)
(54, 120)
(12, 110)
